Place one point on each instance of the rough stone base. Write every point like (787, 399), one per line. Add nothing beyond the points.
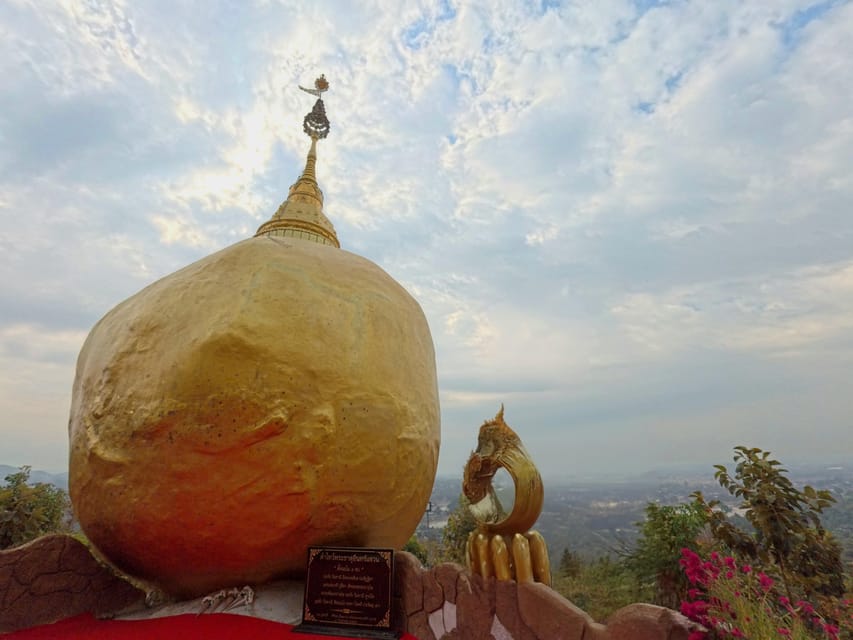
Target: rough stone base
(56, 577)
(447, 602)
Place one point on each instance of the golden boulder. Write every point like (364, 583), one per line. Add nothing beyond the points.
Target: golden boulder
(277, 394)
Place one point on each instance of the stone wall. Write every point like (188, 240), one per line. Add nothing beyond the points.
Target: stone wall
(448, 602)
(56, 577)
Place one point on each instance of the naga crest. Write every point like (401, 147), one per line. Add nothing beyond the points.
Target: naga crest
(499, 447)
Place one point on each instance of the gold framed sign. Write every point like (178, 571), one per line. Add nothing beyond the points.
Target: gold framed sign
(348, 591)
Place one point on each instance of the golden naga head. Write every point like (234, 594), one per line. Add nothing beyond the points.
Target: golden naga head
(499, 447)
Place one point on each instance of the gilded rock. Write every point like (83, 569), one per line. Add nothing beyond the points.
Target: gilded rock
(274, 395)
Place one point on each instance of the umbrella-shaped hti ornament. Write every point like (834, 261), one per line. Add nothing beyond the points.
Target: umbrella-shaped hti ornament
(316, 124)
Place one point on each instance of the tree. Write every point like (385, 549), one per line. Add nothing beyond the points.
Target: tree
(663, 534)
(29, 511)
(418, 550)
(788, 538)
(570, 564)
(459, 525)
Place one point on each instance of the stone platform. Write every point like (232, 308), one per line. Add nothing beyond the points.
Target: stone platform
(56, 577)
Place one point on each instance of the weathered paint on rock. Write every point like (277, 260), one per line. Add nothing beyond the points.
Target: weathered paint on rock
(274, 395)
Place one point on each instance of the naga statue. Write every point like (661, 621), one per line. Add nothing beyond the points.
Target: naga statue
(503, 544)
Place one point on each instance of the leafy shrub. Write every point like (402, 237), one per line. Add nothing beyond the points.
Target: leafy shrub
(417, 549)
(736, 601)
(788, 538)
(655, 560)
(27, 512)
(460, 523)
(570, 564)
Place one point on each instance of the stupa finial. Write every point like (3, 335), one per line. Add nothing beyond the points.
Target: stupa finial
(316, 124)
(301, 215)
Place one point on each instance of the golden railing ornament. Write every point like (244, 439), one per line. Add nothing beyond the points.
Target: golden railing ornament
(503, 545)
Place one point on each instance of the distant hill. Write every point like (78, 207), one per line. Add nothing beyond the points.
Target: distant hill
(599, 517)
(56, 479)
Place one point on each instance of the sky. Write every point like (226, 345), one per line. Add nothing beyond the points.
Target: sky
(631, 222)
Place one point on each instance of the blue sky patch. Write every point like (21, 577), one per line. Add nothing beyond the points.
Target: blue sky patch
(673, 81)
(545, 5)
(415, 34)
(643, 6)
(799, 20)
(446, 11)
(644, 107)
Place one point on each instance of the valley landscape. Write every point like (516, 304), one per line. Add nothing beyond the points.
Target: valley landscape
(596, 517)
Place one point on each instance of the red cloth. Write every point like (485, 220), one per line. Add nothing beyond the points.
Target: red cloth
(216, 626)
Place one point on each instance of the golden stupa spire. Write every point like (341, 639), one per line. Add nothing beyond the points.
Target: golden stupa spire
(301, 215)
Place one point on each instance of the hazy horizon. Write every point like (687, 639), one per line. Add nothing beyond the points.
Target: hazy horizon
(706, 470)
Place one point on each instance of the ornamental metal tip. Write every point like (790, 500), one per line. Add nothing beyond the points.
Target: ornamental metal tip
(316, 124)
(301, 215)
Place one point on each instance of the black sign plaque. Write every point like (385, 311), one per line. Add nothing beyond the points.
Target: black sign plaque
(348, 592)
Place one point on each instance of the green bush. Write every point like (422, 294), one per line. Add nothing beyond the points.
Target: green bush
(417, 549)
(570, 564)
(663, 534)
(460, 524)
(788, 539)
(27, 512)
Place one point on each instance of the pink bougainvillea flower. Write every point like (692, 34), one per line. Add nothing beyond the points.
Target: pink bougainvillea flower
(694, 610)
(805, 607)
(786, 603)
(765, 581)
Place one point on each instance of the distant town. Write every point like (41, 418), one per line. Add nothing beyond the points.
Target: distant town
(599, 517)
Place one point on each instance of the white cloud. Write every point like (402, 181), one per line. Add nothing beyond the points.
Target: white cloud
(781, 315)
(32, 343)
(611, 216)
